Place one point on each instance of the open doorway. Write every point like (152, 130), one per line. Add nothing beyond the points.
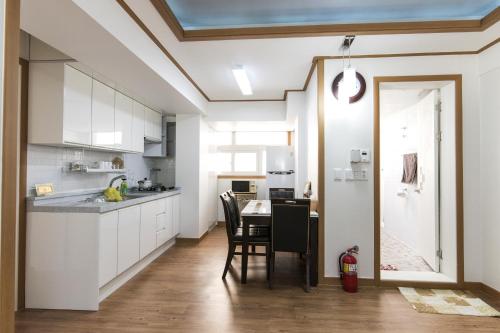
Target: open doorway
(418, 216)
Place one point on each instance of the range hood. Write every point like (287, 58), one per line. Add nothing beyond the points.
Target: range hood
(166, 147)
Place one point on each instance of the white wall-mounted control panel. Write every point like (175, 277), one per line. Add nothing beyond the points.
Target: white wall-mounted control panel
(360, 155)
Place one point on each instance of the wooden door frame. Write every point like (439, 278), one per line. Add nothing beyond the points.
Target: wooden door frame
(457, 78)
(9, 164)
(23, 171)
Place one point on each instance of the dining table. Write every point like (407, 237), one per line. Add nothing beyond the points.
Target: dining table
(258, 212)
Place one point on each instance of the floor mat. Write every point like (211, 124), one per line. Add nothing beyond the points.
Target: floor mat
(455, 302)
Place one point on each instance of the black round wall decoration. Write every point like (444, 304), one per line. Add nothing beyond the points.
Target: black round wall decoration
(360, 87)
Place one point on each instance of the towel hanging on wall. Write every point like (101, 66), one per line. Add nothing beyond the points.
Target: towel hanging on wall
(410, 167)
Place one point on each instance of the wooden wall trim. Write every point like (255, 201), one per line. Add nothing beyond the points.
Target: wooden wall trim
(166, 13)
(241, 177)
(323, 29)
(168, 16)
(321, 168)
(9, 165)
(457, 78)
(155, 40)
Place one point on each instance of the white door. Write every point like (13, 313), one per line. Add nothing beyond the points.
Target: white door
(138, 128)
(124, 111)
(103, 115)
(148, 228)
(77, 107)
(108, 245)
(129, 228)
(428, 176)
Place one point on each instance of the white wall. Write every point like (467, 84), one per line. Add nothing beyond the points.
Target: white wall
(349, 206)
(296, 111)
(489, 66)
(246, 111)
(195, 176)
(312, 133)
(225, 184)
(208, 180)
(187, 172)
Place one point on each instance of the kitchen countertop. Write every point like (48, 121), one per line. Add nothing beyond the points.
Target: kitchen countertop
(75, 202)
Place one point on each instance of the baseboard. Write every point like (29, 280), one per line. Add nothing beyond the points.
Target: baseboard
(221, 222)
(193, 241)
(335, 281)
(483, 287)
(121, 279)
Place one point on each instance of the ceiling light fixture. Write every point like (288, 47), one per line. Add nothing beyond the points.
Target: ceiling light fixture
(240, 75)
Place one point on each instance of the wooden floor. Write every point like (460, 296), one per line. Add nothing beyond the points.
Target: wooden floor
(182, 291)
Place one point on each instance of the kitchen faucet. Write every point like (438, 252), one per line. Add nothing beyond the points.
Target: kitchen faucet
(122, 177)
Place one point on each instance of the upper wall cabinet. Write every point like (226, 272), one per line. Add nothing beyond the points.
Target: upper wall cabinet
(103, 115)
(152, 129)
(60, 105)
(124, 115)
(138, 128)
(68, 107)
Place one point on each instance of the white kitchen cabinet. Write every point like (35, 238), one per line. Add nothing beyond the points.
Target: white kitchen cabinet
(108, 247)
(124, 114)
(164, 224)
(129, 228)
(176, 214)
(162, 233)
(103, 115)
(138, 128)
(77, 106)
(152, 128)
(148, 228)
(75, 260)
(59, 105)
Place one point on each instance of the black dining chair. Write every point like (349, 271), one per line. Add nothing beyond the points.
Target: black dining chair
(281, 193)
(290, 231)
(236, 206)
(257, 236)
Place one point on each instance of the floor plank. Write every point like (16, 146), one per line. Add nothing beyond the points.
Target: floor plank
(182, 291)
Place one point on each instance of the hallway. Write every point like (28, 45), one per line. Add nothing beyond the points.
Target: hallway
(183, 292)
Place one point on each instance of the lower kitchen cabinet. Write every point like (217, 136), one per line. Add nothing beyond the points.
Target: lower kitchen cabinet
(75, 260)
(176, 214)
(108, 247)
(149, 212)
(129, 228)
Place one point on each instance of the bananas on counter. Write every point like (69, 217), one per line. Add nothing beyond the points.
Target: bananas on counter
(112, 194)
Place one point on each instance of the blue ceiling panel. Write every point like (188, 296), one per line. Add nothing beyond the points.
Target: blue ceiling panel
(203, 14)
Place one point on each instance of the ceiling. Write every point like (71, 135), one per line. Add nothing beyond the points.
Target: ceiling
(203, 14)
(277, 64)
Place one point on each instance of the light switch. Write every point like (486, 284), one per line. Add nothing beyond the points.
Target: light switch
(349, 174)
(338, 174)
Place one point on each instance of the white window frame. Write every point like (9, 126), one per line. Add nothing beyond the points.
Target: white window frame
(233, 149)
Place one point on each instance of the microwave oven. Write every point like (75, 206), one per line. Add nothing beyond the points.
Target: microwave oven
(243, 186)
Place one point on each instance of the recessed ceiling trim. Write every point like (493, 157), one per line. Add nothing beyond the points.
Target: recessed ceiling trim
(438, 26)
(150, 34)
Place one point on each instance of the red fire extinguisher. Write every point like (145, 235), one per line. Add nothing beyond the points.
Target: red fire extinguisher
(348, 268)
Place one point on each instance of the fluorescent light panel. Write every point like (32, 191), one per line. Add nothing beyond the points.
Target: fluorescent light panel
(240, 75)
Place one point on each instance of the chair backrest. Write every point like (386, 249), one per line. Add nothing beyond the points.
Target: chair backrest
(234, 201)
(290, 224)
(281, 193)
(230, 215)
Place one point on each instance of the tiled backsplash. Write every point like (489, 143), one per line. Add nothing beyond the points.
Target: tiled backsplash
(50, 165)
